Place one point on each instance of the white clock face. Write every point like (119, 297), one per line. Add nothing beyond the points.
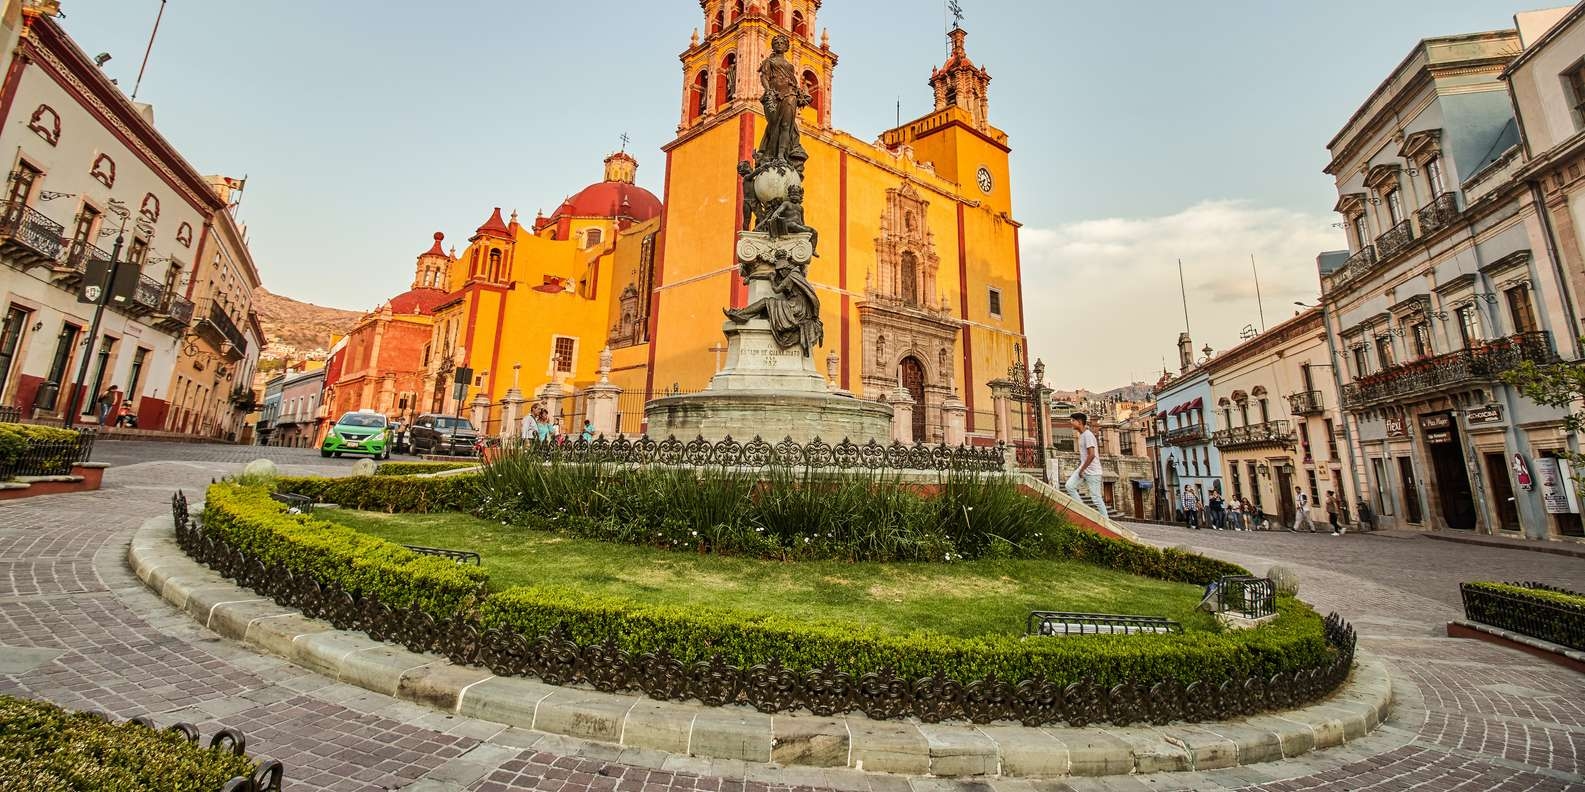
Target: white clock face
(984, 177)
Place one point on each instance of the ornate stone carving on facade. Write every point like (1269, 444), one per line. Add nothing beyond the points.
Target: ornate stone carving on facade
(46, 123)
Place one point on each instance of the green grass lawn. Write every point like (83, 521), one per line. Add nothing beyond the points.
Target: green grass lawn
(960, 599)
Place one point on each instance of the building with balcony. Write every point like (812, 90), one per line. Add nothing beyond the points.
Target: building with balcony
(1449, 280)
(296, 424)
(1185, 455)
(1276, 401)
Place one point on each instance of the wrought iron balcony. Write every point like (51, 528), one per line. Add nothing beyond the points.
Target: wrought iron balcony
(146, 298)
(1268, 434)
(1394, 240)
(1192, 434)
(1305, 403)
(175, 313)
(1453, 370)
(74, 265)
(1438, 213)
(1356, 265)
(27, 237)
(219, 326)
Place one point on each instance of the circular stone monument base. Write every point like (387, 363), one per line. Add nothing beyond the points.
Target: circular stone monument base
(770, 415)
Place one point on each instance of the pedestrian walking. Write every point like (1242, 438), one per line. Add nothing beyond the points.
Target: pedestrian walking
(1217, 507)
(1333, 508)
(1251, 517)
(1089, 467)
(107, 403)
(1191, 508)
(1301, 502)
(1235, 514)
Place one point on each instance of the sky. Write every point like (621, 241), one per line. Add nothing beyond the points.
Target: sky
(1142, 132)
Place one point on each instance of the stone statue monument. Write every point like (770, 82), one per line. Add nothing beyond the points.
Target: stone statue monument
(769, 385)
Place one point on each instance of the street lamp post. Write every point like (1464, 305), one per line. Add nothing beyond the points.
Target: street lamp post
(74, 398)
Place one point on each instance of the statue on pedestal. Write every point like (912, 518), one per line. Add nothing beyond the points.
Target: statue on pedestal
(782, 98)
(793, 310)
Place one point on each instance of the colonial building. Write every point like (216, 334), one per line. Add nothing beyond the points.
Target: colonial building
(1451, 280)
(380, 365)
(1276, 404)
(917, 271)
(90, 172)
(297, 423)
(1185, 455)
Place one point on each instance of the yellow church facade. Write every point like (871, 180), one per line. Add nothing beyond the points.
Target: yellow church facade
(918, 269)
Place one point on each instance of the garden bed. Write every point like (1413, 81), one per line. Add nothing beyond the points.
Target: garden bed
(1549, 614)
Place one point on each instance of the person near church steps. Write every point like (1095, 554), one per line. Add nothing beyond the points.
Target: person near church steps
(1089, 467)
(1301, 505)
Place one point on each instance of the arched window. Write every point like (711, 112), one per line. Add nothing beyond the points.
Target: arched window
(700, 95)
(800, 28)
(495, 265)
(908, 279)
(726, 80)
(812, 87)
(592, 237)
(737, 10)
(718, 23)
(774, 10)
(912, 373)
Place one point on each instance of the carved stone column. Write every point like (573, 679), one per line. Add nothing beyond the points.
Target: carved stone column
(902, 415)
(954, 421)
(512, 413)
(600, 400)
(481, 410)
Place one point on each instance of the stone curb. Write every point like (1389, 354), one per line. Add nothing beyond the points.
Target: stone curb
(1562, 655)
(742, 733)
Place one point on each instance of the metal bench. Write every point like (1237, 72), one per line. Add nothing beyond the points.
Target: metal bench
(302, 503)
(1068, 623)
(1248, 596)
(459, 556)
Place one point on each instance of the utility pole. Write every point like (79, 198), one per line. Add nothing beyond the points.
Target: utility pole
(1184, 290)
(1258, 301)
(74, 399)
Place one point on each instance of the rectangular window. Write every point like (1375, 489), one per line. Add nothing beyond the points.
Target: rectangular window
(1378, 469)
(10, 339)
(1395, 206)
(1384, 351)
(22, 185)
(1361, 231)
(138, 251)
(563, 353)
(1522, 309)
(1238, 485)
(63, 353)
(1265, 411)
(1468, 325)
(1361, 367)
(138, 359)
(1421, 333)
(1331, 440)
(1309, 378)
(107, 345)
(1315, 489)
(83, 232)
(996, 303)
(1254, 484)
(1304, 439)
(1574, 80)
(1433, 175)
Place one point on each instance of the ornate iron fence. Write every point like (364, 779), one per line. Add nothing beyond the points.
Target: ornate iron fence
(757, 453)
(268, 776)
(557, 660)
(1067, 623)
(50, 457)
(1438, 213)
(1536, 617)
(10, 414)
(1186, 435)
(25, 226)
(1394, 240)
(1483, 363)
(1306, 403)
(1270, 433)
(1247, 596)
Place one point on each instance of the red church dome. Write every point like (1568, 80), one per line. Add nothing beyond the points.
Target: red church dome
(418, 301)
(616, 196)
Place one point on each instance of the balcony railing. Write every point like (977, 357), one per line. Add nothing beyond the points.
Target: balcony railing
(148, 295)
(1357, 265)
(75, 264)
(175, 312)
(1452, 370)
(1270, 433)
(220, 322)
(1186, 435)
(1305, 403)
(29, 237)
(1394, 240)
(1438, 213)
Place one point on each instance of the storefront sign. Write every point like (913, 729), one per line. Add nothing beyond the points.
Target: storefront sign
(1490, 414)
(1438, 436)
(1436, 421)
(1396, 426)
(1557, 488)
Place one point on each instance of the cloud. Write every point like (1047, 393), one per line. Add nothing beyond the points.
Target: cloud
(1102, 295)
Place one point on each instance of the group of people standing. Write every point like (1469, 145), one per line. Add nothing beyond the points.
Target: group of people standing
(539, 427)
(1238, 514)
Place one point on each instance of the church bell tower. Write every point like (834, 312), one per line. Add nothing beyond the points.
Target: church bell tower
(719, 77)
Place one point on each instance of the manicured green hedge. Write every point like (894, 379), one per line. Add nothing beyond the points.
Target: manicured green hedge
(247, 519)
(15, 437)
(390, 494)
(44, 748)
(419, 468)
(1567, 599)
(1295, 641)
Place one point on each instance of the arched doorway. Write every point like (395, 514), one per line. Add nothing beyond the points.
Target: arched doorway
(913, 375)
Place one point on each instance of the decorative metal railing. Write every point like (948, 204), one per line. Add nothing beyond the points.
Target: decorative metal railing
(268, 776)
(459, 556)
(149, 294)
(757, 453)
(10, 414)
(1536, 617)
(25, 226)
(75, 263)
(558, 660)
(1356, 265)
(1394, 240)
(178, 309)
(1247, 596)
(1186, 435)
(1066, 623)
(222, 324)
(1306, 403)
(1438, 213)
(1270, 433)
(49, 457)
(1428, 375)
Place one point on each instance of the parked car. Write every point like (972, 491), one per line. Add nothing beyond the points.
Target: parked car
(359, 432)
(446, 435)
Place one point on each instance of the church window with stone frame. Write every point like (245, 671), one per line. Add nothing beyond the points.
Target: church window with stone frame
(592, 237)
(564, 349)
(1574, 82)
(995, 301)
(811, 84)
(799, 27)
(774, 11)
(909, 286)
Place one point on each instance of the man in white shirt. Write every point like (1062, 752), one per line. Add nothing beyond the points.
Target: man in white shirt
(1089, 464)
(1302, 507)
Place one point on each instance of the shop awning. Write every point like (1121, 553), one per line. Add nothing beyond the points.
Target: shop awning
(1144, 483)
(1198, 403)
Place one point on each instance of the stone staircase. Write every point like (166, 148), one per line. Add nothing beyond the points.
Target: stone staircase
(1082, 511)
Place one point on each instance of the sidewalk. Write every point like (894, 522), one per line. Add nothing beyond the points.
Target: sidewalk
(1555, 547)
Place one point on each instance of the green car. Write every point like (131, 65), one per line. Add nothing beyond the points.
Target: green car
(361, 432)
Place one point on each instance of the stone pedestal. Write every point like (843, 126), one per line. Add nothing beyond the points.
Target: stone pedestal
(600, 407)
(480, 411)
(764, 390)
(549, 395)
(954, 421)
(511, 413)
(902, 415)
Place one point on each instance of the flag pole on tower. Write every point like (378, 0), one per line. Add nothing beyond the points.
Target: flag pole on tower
(147, 50)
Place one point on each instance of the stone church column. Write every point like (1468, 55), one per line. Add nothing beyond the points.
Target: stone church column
(954, 420)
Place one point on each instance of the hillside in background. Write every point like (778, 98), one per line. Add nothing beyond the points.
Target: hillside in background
(298, 329)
